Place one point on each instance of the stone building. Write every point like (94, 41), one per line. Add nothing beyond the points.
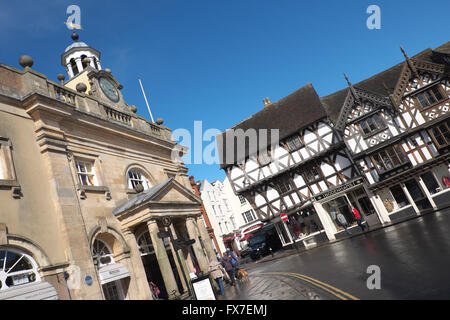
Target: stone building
(84, 185)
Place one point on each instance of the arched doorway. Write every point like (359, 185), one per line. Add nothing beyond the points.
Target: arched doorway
(151, 265)
(112, 275)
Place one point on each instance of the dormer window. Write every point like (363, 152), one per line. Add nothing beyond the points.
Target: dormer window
(136, 177)
(294, 143)
(430, 96)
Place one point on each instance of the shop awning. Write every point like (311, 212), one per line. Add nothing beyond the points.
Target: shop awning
(246, 237)
(30, 291)
(112, 272)
(252, 228)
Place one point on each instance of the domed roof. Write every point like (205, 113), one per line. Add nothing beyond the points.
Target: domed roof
(76, 45)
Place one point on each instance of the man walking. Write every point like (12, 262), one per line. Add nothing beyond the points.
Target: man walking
(341, 219)
(358, 218)
(226, 262)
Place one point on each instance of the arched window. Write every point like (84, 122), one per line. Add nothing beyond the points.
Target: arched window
(96, 63)
(74, 67)
(145, 243)
(135, 177)
(85, 64)
(16, 268)
(102, 253)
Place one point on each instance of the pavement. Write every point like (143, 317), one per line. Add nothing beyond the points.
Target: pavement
(412, 257)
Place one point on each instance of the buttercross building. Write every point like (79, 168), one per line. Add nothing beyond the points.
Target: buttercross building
(84, 185)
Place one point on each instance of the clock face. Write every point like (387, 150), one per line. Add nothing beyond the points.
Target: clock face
(108, 89)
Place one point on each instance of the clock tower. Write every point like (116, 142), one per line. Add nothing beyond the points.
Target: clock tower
(86, 75)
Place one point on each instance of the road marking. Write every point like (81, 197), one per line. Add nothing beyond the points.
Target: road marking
(324, 286)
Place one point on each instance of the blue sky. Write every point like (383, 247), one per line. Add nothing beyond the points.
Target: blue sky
(215, 61)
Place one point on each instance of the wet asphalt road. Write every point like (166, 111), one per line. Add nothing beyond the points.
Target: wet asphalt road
(413, 256)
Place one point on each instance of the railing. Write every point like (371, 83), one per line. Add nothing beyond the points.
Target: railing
(155, 129)
(64, 95)
(117, 115)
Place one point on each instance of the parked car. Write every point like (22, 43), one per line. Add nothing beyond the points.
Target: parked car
(257, 246)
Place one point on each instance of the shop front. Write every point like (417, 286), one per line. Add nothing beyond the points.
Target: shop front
(303, 226)
(341, 200)
(414, 192)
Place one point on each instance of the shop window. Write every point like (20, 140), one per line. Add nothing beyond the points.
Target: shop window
(366, 206)
(441, 134)
(294, 143)
(390, 158)
(86, 173)
(399, 196)
(417, 195)
(430, 96)
(430, 182)
(372, 124)
(16, 268)
(136, 177)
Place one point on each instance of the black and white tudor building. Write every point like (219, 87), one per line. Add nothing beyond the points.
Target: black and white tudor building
(381, 145)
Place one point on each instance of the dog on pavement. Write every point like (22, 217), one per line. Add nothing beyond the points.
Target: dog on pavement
(242, 275)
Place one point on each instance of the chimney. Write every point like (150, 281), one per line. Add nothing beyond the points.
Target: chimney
(266, 102)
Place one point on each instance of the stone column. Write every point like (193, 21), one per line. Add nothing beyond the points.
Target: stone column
(206, 238)
(176, 253)
(79, 65)
(138, 281)
(327, 223)
(163, 259)
(197, 246)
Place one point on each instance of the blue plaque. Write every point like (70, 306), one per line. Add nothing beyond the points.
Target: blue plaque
(88, 280)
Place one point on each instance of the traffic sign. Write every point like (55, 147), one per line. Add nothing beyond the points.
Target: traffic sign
(284, 217)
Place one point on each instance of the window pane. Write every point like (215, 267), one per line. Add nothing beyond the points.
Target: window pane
(399, 196)
(437, 93)
(364, 127)
(371, 124)
(378, 121)
(430, 182)
(422, 100)
(430, 97)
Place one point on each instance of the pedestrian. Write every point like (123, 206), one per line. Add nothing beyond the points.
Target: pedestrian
(226, 263)
(217, 273)
(234, 259)
(358, 218)
(341, 219)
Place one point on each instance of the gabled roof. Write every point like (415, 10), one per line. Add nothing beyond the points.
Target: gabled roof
(376, 84)
(290, 114)
(151, 194)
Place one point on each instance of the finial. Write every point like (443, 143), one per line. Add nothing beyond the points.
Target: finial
(348, 81)
(408, 60)
(159, 121)
(26, 61)
(61, 78)
(75, 36)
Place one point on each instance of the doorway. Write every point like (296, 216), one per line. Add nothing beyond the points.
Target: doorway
(113, 290)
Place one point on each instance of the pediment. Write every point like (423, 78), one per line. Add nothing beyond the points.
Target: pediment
(169, 192)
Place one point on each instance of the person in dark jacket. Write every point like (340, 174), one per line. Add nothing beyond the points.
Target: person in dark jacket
(229, 268)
